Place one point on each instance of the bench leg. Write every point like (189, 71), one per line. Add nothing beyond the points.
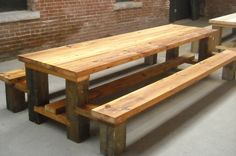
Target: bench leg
(38, 94)
(229, 72)
(77, 96)
(150, 60)
(112, 139)
(15, 99)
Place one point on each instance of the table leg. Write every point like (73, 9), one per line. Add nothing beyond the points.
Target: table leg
(112, 139)
(206, 47)
(77, 96)
(172, 53)
(150, 60)
(38, 94)
(194, 47)
(219, 34)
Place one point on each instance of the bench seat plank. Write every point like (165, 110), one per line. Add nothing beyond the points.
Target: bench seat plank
(121, 109)
(12, 76)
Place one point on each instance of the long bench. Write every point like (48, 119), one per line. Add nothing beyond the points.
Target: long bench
(113, 115)
(15, 85)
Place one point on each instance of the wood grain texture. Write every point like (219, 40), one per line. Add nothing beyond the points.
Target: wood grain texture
(85, 58)
(57, 107)
(77, 96)
(125, 107)
(172, 53)
(112, 139)
(150, 60)
(21, 85)
(203, 51)
(61, 118)
(229, 72)
(12, 76)
(225, 21)
(38, 94)
(120, 84)
(15, 99)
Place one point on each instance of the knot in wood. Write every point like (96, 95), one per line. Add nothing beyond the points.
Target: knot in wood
(108, 106)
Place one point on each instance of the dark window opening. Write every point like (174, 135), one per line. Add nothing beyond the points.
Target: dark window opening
(12, 5)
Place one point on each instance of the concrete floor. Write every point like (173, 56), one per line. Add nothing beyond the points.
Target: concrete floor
(197, 121)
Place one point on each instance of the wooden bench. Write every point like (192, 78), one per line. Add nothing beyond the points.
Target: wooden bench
(113, 115)
(15, 85)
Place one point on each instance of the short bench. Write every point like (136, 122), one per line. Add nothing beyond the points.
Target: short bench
(113, 115)
(15, 85)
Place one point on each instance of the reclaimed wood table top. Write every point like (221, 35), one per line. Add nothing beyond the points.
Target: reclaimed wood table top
(225, 21)
(76, 61)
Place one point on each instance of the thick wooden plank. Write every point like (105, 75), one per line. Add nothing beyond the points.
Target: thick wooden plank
(77, 96)
(12, 76)
(219, 34)
(112, 139)
(38, 94)
(86, 111)
(129, 81)
(61, 118)
(124, 83)
(106, 53)
(229, 72)
(123, 108)
(172, 53)
(150, 60)
(57, 107)
(15, 99)
(204, 50)
(21, 85)
(225, 21)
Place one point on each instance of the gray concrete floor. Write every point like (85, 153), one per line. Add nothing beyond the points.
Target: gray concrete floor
(198, 121)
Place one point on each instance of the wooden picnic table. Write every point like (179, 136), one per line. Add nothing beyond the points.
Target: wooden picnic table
(228, 21)
(75, 63)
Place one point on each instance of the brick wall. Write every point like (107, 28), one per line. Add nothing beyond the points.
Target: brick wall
(216, 8)
(70, 21)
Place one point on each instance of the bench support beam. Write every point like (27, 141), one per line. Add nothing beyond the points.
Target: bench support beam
(229, 72)
(77, 96)
(38, 94)
(112, 139)
(15, 99)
